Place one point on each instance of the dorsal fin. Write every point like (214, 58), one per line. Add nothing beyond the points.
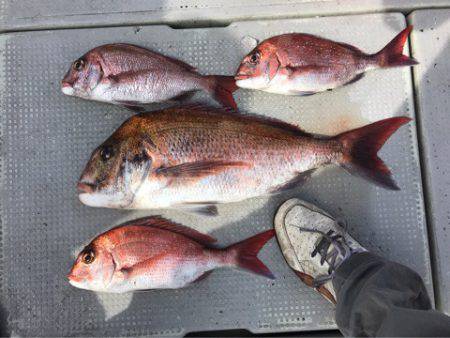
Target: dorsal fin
(248, 116)
(165, 224)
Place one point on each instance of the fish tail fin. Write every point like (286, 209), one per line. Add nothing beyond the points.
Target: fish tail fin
(222, 88)
(245, 253)
(361, 147)
(392, 54)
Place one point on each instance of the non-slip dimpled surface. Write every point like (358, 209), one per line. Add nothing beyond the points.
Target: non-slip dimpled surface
(47, 139)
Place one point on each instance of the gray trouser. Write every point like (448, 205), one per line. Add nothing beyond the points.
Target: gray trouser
(377, 297)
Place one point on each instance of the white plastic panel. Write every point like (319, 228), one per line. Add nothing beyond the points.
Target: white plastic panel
(431, 45)
(47, 139)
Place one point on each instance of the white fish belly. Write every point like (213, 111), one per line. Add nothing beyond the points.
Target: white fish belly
(233, 185)
(297, 85)
(143, 90)
(165, 275)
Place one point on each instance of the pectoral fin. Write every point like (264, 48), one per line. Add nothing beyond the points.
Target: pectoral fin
(274, 65)
(199, 169)
(304, 70)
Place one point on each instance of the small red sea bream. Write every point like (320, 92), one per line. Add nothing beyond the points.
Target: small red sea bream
(133, 76)
(193, 157)
(304, 64)
(155, 253)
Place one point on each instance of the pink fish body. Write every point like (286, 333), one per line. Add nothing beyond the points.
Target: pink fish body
(185, 157)
(132, 76)
(155, 253)
(304, 64)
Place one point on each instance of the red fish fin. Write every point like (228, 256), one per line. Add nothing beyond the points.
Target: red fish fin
(199, 169)
(133, 106)
(202, 277)
(246, 253)
(206, 210)
(392, 54)
(142, 267)
(222, 88)
(274, 65)
(183, 97)
(355, 79)
(165, 224)
(362, 145)
(294, 182)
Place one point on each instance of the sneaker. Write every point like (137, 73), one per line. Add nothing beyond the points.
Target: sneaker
(313, 244)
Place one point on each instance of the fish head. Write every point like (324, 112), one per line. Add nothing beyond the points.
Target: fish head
(93, 269)
(83, 76)
(258, 68)
(115, 171)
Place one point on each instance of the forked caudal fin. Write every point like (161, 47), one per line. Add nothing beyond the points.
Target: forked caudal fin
(222, 88)
(392, 54)
(362, 145)
(247, 250)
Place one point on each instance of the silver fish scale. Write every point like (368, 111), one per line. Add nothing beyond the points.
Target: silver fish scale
(48, 137)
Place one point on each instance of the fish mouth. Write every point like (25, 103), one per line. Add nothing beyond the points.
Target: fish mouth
(67, 88)
(76, 282)
(72, 278)
(241, 76)
(86, 187)
(65, 83)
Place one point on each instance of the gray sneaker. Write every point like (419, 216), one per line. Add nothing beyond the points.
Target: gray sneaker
(313, 244)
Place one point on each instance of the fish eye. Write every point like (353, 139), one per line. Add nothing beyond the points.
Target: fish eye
(78, 64)
(254, 58)
(88, 257)
(106, 153)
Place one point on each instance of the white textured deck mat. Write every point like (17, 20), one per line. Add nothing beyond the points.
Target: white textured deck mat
(48, 137)
(431, 45)
(41, 14)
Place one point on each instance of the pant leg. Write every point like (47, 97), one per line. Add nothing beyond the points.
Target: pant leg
(377, 297)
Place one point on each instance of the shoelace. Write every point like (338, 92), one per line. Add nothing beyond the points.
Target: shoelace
(339, 252)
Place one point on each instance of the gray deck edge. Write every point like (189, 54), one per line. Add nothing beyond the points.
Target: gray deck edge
(210, 17)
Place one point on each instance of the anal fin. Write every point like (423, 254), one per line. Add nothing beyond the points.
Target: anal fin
(183, 97)
(356, 78)
(207, 210)
(307, 93)
(201, 208)
(131, 105)
(202, 277)
(294, 182)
